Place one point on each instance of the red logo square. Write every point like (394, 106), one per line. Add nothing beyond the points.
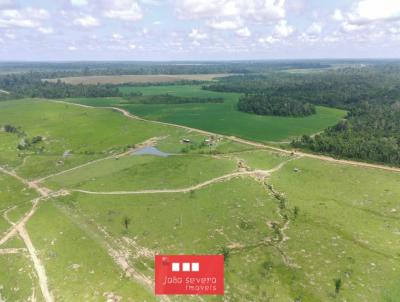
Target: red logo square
(189, 274)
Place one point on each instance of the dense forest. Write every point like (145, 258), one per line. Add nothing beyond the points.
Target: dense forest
(370, 94)
(167, 99)
(31, 85)
(369, 91)
(341, 88)
(64, 69)
(370, 133)
(264, 104)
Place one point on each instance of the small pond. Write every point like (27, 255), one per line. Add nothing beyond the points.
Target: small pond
(150, 151)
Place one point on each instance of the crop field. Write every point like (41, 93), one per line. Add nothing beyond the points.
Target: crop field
(221, 118)
(82, 214)
(124, 79)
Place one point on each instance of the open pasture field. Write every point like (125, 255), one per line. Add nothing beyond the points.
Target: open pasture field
(141, 172)
(71, 135)
(344, 230)
(299, 230)
(221, 118)
(126, 79)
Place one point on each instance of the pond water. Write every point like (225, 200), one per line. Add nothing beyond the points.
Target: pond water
(150, 151)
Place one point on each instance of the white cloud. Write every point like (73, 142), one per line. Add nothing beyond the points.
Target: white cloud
(117, 37)
(196, 35)
(268, 40)
(283, 30)
(348, 27)
(225, 24)
(338, 15)
(243, 32)
(25, 18)
(125, 10)
(86, 21)
(132, 46)
(315, 28)
(258, 10)
(46, 30)
(72, 48)
(366, 11)
(79, 2)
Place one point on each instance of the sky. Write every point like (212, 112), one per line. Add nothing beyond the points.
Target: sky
(80, 30)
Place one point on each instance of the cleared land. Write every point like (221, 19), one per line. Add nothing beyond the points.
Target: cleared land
(221, 118)
(290, 226)
(124, 79)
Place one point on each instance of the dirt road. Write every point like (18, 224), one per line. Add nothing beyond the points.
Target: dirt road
(247, 142)
(256, 173)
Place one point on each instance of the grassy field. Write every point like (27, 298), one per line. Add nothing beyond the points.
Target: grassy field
(71, 135)
(78, 266)
(222, 118)
(18, 281)
(144, 172)
(310, 231)
(347, 229)
(223, 215)
(122, 79)
(13, 194)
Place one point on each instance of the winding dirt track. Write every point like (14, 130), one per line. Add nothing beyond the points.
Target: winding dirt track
(20, 228)
(246, 142)
(184, 190)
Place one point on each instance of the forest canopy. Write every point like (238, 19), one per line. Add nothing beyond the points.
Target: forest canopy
(263, 104)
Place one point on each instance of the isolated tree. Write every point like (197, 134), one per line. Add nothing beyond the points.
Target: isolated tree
(338, 285)
(296, 211)
(226, 252)
(126, 221)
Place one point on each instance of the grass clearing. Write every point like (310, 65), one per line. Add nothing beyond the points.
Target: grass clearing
(78, 267)
(348, 228)
(230, 214)
(262, 159)
(71, 135)
(13, 193)
(18, 281)
(221, 118)
(143, 172)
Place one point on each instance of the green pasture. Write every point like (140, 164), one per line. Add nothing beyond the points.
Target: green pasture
(347, 228)
(71, 135)
(76, 262)
(222, 118)
(141, 172)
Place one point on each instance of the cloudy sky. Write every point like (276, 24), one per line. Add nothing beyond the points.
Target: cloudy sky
(198, 29)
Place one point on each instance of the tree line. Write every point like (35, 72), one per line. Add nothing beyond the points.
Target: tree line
(264, 104)
(31, 85)
(370, 94)
(138, 98)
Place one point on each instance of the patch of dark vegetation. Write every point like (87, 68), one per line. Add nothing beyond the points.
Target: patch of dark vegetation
(30, 85)
(264, 104)
(370, 93)
(137, 98)
(370, 133)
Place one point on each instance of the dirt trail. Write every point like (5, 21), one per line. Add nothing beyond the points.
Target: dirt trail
(20, 228)
(247, 142)
(37, 263)
(255, 173)
(149, 142)
(12, 251)
(13, 230)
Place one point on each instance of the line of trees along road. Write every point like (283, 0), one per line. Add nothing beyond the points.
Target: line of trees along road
(371, 94)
